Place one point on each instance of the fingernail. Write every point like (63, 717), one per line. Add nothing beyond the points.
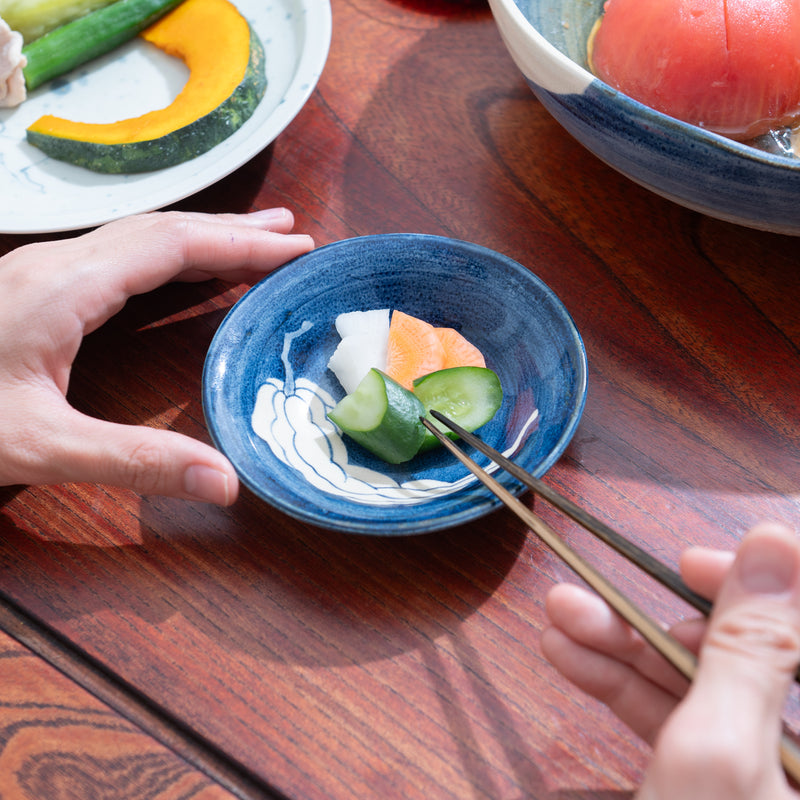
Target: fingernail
(206, 483)
(767, 566)
(270, 214)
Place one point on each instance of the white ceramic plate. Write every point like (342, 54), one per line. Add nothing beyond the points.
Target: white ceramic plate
(42, 195)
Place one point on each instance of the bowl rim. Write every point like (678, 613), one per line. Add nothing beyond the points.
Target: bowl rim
(466, 512)
(580, 79)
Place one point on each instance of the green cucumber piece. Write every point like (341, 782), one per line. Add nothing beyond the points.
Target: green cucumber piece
(470, 396)
(382, 417)
(89, 37)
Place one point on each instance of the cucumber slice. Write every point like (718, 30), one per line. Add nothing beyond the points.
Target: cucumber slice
(383, 417)
(470, 396)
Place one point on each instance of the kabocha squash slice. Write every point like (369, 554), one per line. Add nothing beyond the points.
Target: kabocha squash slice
(226, 83)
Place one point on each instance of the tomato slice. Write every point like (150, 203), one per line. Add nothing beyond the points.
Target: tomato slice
(732, 66)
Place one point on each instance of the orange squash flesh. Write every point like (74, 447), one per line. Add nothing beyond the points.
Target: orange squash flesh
(213, 39)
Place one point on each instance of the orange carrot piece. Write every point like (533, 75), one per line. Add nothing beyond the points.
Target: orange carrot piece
(458, 351)
(414, 349)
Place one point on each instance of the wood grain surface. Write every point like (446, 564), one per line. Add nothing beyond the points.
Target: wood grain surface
(57, 740)
(210, 652)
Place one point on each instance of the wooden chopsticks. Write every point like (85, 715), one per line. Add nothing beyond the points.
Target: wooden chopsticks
(646, 562)
(673, 651)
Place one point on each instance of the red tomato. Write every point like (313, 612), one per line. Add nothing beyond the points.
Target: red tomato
(732, 66)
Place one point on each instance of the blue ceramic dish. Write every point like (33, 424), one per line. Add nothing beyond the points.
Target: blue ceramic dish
(684, 163)
(266, 386)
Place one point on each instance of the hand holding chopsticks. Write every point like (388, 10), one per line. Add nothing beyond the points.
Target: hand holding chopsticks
(672, 650)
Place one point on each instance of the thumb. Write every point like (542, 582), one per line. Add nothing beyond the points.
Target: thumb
(147, 461)
(752, 646)
(730, 721)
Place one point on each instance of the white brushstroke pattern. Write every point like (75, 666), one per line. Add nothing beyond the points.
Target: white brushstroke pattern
(291, 417)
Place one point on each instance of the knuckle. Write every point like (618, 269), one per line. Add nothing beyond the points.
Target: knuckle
(144, 469)
(762, 635)
(161, 225)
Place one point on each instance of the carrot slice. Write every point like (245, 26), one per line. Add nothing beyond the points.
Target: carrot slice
(458, 351)
(413, 350)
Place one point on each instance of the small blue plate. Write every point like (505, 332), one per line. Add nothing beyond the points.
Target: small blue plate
(267, 389)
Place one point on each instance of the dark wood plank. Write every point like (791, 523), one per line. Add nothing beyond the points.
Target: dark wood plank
(57, 740)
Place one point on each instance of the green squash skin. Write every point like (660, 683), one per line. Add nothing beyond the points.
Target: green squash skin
(176, 147)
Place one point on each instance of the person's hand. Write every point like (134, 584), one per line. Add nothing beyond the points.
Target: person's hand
(720, 738)
(54, 293)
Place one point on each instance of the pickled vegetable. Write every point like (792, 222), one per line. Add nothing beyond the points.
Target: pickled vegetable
(469, 396)
(386, 418)
(382, 417)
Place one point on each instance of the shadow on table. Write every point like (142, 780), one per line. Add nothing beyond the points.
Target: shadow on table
(692, 342)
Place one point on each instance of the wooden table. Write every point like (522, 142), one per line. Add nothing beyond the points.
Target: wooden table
(155, 648)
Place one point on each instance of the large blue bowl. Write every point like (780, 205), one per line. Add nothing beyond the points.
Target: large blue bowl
(700, 170)
(271, 352)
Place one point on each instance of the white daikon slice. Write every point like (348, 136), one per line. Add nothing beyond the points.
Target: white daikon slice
(352, 323)
(363, 346)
